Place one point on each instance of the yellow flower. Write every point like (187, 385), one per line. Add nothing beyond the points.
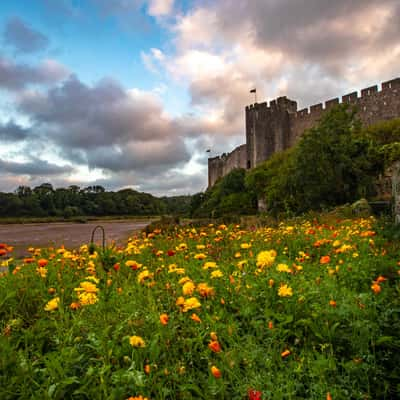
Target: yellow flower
(200, 256)
(190, 304)
(216, 274)
(285, 291)
(86, 298)
(245, 246)
(52, 304)
(282, 268)
(205, 290)
(182, 247)
(145, 274)
(42, 271)
(88, 287)
(210, 264)
(188, 288)
(137, 341)
(200, 247)
(183, 280)
(266, 258)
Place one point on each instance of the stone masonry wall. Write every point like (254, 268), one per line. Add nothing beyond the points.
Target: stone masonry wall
(278, 126)
(221, 165)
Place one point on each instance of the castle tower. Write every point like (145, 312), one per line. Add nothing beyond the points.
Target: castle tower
(268, 129)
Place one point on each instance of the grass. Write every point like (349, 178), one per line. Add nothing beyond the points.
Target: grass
(306, 310)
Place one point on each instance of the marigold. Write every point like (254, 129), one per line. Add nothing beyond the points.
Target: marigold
(42, 271)
(86, 298)
(285, 353)
(52, 304)
(216, 372)
(188, 288)
(195, 318)
(283, 268)
(205, 290)
(137, 341)
(145, 274)
(200, 256)
(210, 264)
(87, 287)
(216, 274)
(214, 346)
(164, 319)
(325, 260)
(266, 258)
(190, 304)
(285, 291)
(42, 262)
(376, 288)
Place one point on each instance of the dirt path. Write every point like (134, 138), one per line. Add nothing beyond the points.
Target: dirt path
(71, 235)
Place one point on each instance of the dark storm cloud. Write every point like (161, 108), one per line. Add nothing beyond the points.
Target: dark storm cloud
(106, 126)
(15, 76)
(12, 132)
(33, 167)
(23, 38)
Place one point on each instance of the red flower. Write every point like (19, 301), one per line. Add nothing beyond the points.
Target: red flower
(116, 267)
(171, 253)
(254, 394)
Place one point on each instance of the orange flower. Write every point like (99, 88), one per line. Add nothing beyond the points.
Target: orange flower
(376, 288)
(214, 346)
(325, 259)
(195, 318)
(213, 336)
(328, 396)
(270, 325)
(42, 262)
(74, 305)
(380, 279)
(147, 369)
(285, 353)
(216, 372)
(332, 303)
(164, 319)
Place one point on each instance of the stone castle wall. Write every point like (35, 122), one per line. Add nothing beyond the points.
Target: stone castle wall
(221, 165)
(278, 125)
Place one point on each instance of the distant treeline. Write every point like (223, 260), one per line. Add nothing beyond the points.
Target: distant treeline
(46, 201)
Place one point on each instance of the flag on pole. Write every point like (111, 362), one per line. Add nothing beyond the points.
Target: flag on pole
(253, 91)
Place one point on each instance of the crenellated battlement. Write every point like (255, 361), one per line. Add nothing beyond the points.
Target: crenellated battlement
(278, 125)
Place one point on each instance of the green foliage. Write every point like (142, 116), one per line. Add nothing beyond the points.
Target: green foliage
(334, 163)
(229, 196)
(341, 330)
(45, 201)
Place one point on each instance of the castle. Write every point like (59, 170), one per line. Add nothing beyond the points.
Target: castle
(277, 127)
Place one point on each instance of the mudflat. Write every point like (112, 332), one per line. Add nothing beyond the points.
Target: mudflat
(71, 235)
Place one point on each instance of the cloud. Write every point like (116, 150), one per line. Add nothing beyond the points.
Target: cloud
(34, 167)
(15, 76)
(159, 8)
(12, 132)
(23, 38)
(106, 126)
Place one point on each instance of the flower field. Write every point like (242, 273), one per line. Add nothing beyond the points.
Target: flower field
(308, 310)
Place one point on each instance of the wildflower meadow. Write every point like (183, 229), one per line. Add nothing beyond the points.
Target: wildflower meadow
(302, 310)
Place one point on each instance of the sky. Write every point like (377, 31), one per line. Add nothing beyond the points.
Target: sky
(131, 93)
